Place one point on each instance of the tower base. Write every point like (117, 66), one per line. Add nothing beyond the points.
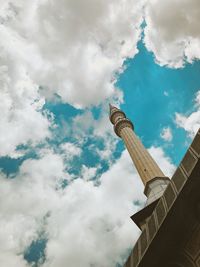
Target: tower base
(154, 189)
(141, 216)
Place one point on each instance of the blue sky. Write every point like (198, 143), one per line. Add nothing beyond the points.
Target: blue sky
(152, 96)
(68, 186)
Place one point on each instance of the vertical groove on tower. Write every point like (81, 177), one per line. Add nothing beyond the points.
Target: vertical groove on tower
(144, 163)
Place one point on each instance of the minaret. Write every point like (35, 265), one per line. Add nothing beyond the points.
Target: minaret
(151, 175)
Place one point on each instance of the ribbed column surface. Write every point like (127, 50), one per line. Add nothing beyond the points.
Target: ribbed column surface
(144, 163)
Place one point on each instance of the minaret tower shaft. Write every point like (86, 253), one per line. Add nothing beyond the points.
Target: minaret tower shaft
(151, 175)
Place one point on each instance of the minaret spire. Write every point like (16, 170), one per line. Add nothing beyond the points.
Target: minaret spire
(151, 175)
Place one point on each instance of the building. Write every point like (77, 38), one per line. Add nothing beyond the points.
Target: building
(170, 220)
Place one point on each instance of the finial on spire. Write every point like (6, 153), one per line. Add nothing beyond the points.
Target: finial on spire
(112, 107)
(114, 111)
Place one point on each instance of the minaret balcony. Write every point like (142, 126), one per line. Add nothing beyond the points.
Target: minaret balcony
(121, 124)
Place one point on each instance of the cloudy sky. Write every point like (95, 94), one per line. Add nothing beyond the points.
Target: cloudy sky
(67, 184)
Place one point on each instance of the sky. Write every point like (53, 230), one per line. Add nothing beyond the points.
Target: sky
(67, 184)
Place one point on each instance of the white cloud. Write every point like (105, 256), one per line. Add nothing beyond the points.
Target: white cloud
(82, 216)
(72, 49)
(66, 47)
(97, 217)
(70, 150)
(24, 201)
(85, 125)
(190, 123)
(84, 219)
(9, 260)
(162, 160)
(172, 32)
(166, 134)
(88, 173)
(21, 119)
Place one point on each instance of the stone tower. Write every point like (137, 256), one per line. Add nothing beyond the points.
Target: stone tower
(153, 178)
(170, 221)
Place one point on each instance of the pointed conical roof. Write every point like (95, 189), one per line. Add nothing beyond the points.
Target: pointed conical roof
(113, 110)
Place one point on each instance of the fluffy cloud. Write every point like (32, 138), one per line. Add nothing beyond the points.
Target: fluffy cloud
(83, 219)
(21, 119)
(190, 123)
(172, 31)
(8, 259)
(85, 126)
(88, 173)
(75, 50)
(82, 216)
(70, 150)
(166, 134)
(25, 201)
(72, 48)
(162, 160)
